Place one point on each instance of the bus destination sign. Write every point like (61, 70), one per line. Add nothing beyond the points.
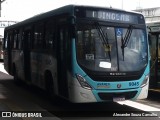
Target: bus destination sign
(112, 16)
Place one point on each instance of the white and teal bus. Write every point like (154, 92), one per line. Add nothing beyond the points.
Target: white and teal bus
(81, 53)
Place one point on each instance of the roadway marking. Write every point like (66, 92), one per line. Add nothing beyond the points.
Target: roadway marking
(139, 106)
(156, 90)
(2, 68)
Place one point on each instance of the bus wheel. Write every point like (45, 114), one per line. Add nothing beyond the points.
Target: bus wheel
(49, 84)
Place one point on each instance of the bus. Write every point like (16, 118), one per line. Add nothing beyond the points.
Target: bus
(154, 44)
(81, 53)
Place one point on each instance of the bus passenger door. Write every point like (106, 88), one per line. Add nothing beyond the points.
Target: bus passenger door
(26, 52)
(62, 60)
(154, 42)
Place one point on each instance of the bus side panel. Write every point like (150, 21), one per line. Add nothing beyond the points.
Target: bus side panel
(40, 64)
(18, 59)
(6, 66)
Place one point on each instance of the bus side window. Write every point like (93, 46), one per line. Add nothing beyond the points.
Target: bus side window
(49, 35)
(38, 36)
(16, 40)
(10, 40)
(6, 41)
(20, 39)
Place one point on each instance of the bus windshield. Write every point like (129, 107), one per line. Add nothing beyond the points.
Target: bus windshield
(102, 48)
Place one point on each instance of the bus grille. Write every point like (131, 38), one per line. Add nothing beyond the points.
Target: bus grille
(105, 76)
(110, 96)
(114, 78)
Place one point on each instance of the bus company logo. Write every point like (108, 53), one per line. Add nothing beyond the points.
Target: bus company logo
(103, 85)
(117, 74)
(119, 85)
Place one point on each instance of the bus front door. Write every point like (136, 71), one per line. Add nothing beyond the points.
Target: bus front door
(154, 40)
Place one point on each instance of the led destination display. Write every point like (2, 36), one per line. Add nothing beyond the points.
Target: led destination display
(112, 16)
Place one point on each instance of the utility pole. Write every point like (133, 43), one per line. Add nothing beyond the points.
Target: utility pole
(1, 1)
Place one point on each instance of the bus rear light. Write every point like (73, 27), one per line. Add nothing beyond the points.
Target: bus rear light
(83, 82)
(145, 81)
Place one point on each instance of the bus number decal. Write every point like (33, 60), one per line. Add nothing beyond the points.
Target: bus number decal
(133, 83)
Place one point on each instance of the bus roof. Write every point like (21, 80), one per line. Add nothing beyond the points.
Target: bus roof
(65, 9)
(40, 16)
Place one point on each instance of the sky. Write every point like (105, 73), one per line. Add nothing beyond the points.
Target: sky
(18, 10)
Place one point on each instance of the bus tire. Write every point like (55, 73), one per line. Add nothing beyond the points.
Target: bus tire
(49, 84)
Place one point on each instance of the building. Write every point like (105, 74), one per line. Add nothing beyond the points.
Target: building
(150, 14)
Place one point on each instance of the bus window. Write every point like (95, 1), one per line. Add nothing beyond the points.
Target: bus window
(10, 40)
(16, 40)
(38, 36)
(6, 42)
(137, 41)
(27, 39)
(20, 39)
(49, 35)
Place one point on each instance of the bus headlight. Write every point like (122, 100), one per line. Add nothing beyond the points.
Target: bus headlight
(145, 81)
(83, 82)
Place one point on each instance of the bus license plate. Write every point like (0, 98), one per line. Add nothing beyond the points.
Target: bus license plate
(116, 99)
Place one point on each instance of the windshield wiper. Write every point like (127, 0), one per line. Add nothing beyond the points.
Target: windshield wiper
(126, 39)
(103, 38)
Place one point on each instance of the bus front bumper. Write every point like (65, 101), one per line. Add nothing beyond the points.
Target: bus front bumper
(77, 94)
